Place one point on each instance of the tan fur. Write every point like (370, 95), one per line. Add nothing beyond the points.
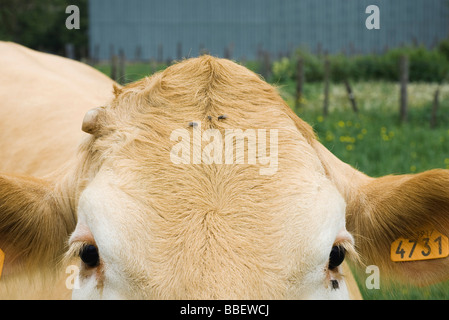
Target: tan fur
(235, 215)
(191, 231)
(43, 101)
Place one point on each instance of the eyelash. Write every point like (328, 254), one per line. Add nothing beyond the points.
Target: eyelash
(339, 252)
(75, 252)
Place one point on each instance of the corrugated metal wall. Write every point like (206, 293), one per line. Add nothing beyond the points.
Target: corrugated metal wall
(170, 29)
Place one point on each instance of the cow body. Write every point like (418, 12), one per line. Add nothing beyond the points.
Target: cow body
(44, 99)
(43, 102)
(166, 208)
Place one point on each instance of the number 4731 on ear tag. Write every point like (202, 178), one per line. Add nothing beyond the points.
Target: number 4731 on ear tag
(2, 259)
(427, 245)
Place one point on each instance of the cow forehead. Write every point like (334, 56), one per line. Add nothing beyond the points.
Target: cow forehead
(190, 225)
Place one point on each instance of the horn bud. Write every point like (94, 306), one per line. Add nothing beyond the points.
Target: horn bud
(90, 121)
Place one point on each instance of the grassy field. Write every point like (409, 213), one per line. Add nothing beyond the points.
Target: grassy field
(373, 140)
(134, 71)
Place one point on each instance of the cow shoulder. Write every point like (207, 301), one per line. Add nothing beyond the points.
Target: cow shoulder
(43, 101)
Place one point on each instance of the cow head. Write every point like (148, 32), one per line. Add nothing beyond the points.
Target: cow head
(166, 207)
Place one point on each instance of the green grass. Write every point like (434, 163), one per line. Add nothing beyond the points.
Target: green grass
(396, 291)
(373, 141)
(134, 71)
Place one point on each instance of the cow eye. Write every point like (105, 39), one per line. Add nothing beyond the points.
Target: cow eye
(336, 256)
(89, 255)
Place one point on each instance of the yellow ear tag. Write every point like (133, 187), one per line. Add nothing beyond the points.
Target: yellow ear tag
(2, 259)
(427, 245)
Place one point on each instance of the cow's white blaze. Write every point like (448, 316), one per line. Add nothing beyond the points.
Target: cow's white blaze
(105, 217)
(119, 226)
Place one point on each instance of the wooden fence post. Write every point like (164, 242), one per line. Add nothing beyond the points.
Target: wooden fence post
(299, 82)
(114, 63)
(160, 53)
(96, 57)
(121, 65)
(203, 49)
(70, 51)
(351, 96)
(326, 86)
(179, 51)
(435, 106)
(226, 53)
(266, 65)
(153, 66)
(404, 75)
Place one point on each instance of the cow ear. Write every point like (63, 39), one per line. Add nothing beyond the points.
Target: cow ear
(398, 219)
(379, 211)
(117, 89)
(33, 225)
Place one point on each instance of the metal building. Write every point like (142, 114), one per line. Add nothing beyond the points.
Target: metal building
(241, 29)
